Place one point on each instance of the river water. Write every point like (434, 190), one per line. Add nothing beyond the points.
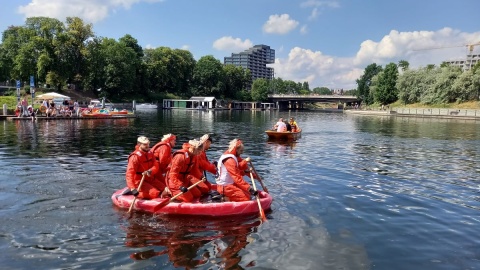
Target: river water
(355, 192)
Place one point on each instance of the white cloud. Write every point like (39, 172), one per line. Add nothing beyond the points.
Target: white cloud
(279, 24)
(313, 14)
(90, 11)
(304, 29)
(317, 6)
(316, 3)
(429, 47)
(417, 47)
(231, 44)
(303, 63)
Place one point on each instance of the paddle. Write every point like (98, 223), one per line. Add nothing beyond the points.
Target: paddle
(262, 214)
(135, 198)
(165, 202)
(259, 178)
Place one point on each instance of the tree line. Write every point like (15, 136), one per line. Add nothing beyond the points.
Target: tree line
(69, 55)
(425, 85)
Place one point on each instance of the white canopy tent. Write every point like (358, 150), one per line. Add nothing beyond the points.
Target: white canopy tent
(53, 95)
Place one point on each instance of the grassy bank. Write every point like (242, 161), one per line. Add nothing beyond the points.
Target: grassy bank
(474, 105)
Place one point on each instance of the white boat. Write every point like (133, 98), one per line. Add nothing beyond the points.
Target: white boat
(144, 106)
(99, 104)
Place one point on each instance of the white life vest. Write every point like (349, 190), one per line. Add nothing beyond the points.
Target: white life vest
(224, 177)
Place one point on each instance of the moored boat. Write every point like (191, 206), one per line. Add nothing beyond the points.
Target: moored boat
(146, 106)
(116, 112)
(286, 136)
(194, 208)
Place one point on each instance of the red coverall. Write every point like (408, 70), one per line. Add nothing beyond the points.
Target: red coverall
(179, 176)
(163, 153)
(239, 190)
(202, 164)
(138, 162)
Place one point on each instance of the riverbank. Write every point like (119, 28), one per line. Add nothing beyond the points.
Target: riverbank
(469, 114)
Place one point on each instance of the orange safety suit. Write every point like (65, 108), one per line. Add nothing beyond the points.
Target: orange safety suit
(138, 162)
(163, 153)
(238, 189)
(179, 175)
(202, 164)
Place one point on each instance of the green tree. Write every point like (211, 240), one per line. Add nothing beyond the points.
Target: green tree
(119, 74)
(439, 90)
(386, 90)
(410, 85)
(306, 86)
(185, 66)
(208, 77)
(236, 79)
(95, 58)
(467, 86)
(403, 64)
(322, 90)
(291, 87)
(46, 52)
(139, 83)
(277, 86)
(260, 89)
(444, 64)
(363, 83)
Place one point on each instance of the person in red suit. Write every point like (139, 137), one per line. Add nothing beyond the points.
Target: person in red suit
(163, 154)
(141, 163)
(231, 168)
(179, 177)
(202, 164)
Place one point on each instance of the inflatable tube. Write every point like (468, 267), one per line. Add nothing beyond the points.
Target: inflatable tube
(194, 208)
(43, 109)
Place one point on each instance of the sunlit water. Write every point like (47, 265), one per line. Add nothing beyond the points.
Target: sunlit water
(355, 192)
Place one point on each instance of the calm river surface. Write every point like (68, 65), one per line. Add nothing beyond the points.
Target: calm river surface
(355, 192)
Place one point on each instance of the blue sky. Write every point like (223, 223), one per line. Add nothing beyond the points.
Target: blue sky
(327, 43)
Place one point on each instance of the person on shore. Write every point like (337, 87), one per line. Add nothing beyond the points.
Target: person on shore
(280, 126)
(44, 107)
(231, 168)
(51, 111)
(179, 177)
(24, 104)
(162, 152)
(142, 164)
(76, 108)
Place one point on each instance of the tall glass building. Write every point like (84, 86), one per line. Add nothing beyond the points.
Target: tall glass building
(256, 60)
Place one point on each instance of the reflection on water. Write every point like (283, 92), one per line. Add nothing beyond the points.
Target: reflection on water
(352, 193)
(191, 242)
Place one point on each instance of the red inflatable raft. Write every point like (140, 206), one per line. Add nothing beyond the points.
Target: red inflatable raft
(194, 208)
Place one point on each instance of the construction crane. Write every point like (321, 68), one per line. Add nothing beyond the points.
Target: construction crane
(469, 62)
(469, 46)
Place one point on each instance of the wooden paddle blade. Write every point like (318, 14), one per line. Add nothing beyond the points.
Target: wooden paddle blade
(260, 209)
(262, 215)
(134, 199)
(259, 178)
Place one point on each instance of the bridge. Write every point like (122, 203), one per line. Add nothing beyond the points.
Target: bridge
(290, 101)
